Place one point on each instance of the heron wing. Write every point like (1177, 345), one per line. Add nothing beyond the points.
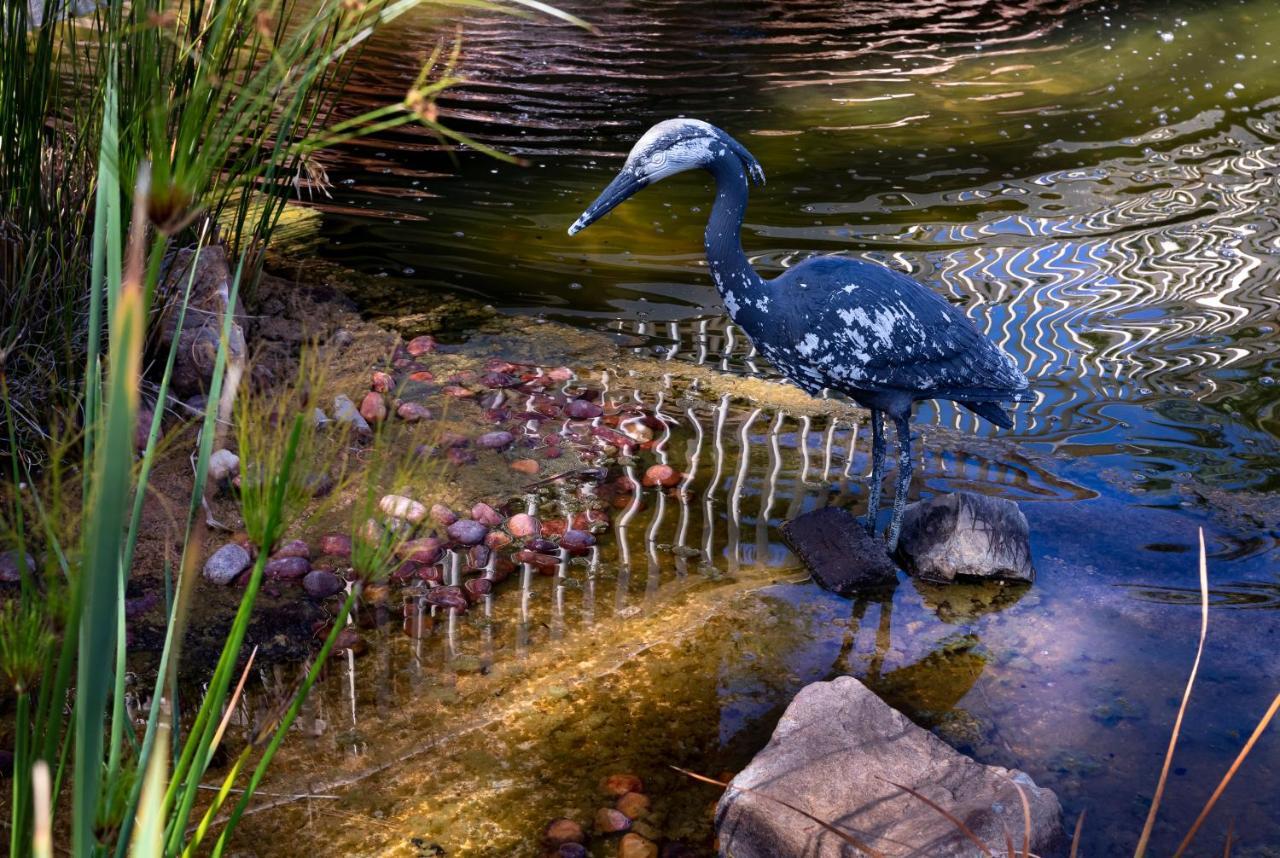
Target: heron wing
(879, 329)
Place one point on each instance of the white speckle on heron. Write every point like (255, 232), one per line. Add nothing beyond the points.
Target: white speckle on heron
(810, 343)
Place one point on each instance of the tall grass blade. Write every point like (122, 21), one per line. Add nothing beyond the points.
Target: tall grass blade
(1231, 773)
(1182, 709)
(843, 835)
(112, 476)
(42, 838)
(949, 816)
(148, 835)
(1075, 837)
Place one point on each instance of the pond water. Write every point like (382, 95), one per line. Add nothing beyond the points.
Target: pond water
(1095, 183)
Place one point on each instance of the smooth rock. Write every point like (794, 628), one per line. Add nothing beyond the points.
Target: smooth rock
(561, 831)
(486, 515)
(634, 846)
(611, 821)
(226, 563)
(522, 525)
(447, 597)
(577, 541)
(223, 465)
(412, 412)
(287, 568)
(442, 515)
(529, 467)
(836, 751)
(633, 804)
(399, 506)
(835, 547)
(336, 544)
(619, 785)
(381, 382)
(581, 409)
(571, 850)
(966, 534)
(321, 583)
(425, 550)
(661, 475)
(345, 411)
(495, 440)
(11, 568)
(373, 407)
(423, 345)
(467, 532)
(293, 548)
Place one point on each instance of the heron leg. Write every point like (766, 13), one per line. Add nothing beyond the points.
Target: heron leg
(904, 478)
(877, 469)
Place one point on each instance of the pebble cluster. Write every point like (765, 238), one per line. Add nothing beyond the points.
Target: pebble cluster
(530, 416)
(626, 818)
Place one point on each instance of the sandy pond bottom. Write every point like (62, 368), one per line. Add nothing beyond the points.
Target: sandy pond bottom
(467, 738)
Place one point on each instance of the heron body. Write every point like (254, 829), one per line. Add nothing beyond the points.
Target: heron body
(863, 330)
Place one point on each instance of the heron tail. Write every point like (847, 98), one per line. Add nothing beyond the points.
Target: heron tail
(990, 411)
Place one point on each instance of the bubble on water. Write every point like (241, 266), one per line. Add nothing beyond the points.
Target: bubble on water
(1166, 37)
(1266, 380)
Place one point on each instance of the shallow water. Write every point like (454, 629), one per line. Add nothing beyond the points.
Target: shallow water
(1095, 183)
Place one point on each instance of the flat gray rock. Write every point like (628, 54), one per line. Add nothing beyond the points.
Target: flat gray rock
(226, 563)
(834, 754)
(964, 534)
(837, 549)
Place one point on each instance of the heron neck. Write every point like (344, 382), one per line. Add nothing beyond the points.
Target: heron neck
(730, 267)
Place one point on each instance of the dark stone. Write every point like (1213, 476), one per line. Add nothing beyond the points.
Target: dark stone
(321, 583)
(11, 568)
(842, 556)
(447, 597)
(467, 532)
(964, 534)
(287, 568)
(226, 563)
(495, 440)
(202, 323)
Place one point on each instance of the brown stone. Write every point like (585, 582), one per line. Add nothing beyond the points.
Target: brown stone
(619, 785)
(561, 831)
(634, 846)
(610, 821)
(373, 407)
(525, 466)
(633, 804)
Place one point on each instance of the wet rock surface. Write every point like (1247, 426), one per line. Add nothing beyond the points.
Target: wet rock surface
(837, 752)
(842, 556)
(967, 535)
(226, 563)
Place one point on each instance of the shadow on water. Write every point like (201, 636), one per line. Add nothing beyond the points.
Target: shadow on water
(1094, 182)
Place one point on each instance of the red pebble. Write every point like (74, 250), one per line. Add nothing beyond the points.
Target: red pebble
(423, 345)
(381, 382)
(373, 407)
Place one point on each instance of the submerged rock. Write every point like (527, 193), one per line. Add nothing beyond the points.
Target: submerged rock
(837, 752)
(634, 846)
(226, 563)
(561, 831)
(11, 563)
(201, 330)
(223, 465)
(345, 411)
(835, 547)
(321, 583)
(611, 821)
(964, 534)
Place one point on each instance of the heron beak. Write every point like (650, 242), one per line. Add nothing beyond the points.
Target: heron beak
(623, 186)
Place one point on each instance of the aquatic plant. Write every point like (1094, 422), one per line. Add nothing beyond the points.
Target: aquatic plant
(208, 112)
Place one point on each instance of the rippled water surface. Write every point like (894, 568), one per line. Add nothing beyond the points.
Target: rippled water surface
(1095, 183)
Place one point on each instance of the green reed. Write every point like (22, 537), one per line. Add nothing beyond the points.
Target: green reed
(130, 132)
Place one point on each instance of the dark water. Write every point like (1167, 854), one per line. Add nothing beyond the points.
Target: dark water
(1094, 182)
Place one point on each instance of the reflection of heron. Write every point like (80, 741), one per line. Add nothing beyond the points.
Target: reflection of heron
(830, 322)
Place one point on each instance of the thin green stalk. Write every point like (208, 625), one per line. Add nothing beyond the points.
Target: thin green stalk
(286, 722)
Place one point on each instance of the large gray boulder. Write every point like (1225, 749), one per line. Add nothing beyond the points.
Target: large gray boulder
(202, 323)
(834, 755)
(964, 534)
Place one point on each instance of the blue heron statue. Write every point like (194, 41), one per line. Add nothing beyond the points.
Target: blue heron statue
(860, 329)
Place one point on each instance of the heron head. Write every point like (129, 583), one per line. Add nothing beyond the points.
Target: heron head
(667, 148)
